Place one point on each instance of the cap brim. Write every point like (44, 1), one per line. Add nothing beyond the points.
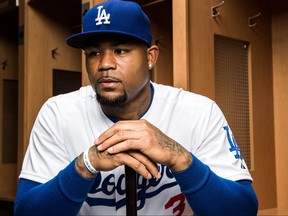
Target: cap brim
(79, 40)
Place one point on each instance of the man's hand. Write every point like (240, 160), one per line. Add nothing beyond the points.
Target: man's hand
(104, 161)
(145, 144)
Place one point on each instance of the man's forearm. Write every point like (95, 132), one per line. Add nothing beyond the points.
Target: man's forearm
(209, 194)
(63, 195)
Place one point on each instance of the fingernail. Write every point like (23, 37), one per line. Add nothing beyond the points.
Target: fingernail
(110, 150)
(99, 147)
(149, 176)
(158, 176)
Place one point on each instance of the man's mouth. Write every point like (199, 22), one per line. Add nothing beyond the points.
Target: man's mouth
(108, 83)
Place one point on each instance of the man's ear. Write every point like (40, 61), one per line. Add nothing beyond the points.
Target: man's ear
(152, 54)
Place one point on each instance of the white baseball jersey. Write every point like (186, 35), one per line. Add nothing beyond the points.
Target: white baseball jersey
(68, 124)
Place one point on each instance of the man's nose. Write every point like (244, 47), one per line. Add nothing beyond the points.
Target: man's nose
(107, 61)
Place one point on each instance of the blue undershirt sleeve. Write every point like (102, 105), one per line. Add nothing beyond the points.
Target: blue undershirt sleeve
(206, 193)
(62, 195)
(209, 194)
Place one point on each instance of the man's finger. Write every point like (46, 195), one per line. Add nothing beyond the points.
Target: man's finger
(145, 161)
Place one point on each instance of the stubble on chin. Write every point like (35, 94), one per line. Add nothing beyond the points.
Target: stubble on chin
(112, 101)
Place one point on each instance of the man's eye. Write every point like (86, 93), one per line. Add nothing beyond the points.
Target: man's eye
(92, 53)
(120, 51)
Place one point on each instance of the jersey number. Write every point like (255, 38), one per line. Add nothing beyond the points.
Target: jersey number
(181, 205)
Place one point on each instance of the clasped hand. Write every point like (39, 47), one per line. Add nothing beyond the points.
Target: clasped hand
(139, 145)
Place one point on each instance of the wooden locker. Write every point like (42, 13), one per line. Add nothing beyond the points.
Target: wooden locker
(44, 52)
(8, 99)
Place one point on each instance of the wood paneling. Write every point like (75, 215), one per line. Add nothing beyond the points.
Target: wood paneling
(280, 79)
(233, 23)
(45, 31)
(8, 102)
(180, 44)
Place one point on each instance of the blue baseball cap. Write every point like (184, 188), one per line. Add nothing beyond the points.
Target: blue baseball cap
(115, 17)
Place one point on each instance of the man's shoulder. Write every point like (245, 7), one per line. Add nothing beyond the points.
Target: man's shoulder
(80, 94)
(179, 95)
(70, 101)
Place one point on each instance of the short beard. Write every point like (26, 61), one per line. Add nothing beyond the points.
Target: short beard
(113, 102)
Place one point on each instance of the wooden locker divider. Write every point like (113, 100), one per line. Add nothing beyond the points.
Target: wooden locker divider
(180, 44)
(86, 5)
(279, 18)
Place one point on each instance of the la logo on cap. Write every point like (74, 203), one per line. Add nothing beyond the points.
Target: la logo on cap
(102, 16)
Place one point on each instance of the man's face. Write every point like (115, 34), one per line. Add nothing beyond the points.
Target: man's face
(117, 69)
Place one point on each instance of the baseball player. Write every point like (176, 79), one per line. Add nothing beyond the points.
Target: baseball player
(179, 143)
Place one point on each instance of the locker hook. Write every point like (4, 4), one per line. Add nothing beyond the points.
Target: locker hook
(251, 22)
(54, 53)
(157, 41)
(214, 11)
(4, 64)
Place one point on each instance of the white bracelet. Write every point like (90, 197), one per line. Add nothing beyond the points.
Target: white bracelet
(87, 162)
